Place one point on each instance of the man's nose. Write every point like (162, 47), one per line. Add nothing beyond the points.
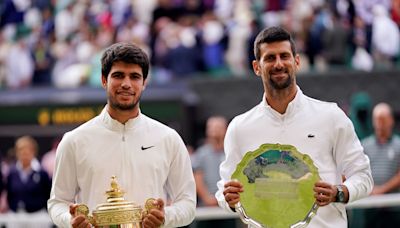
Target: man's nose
(278, 63)
(126, 82)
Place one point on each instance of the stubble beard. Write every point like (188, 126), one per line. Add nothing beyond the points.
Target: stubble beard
(123, 107)
(283, 85)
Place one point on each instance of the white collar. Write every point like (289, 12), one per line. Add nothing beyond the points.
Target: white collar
(113, 124)
(35, 165)
(291, 109)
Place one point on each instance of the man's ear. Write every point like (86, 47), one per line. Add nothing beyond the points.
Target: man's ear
(103, 81)
(144, 84)
(297, 61)
(256, 68)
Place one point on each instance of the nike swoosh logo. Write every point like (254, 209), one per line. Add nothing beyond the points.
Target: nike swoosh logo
(310, 136)
(145, 148)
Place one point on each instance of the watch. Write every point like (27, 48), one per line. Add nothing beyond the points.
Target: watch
(340, 194)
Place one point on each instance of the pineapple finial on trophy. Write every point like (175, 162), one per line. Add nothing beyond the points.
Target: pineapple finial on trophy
(115, 193)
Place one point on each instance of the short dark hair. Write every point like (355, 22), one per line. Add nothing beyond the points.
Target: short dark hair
(127, 53)
(270, 35)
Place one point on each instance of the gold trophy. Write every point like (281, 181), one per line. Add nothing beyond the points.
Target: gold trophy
(116, 213)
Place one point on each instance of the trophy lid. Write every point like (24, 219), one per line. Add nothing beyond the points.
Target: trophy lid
(117, 210)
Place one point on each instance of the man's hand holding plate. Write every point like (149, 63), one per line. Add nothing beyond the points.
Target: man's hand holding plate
(231, 192)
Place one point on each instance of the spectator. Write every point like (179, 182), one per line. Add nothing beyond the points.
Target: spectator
(317, 24)
(184, 49)
(335, 42)
(212, 43)
(43, 61)
(395, 11)
(238, 31)
(364, 9)
(13, 12)
(206, 161)
(66, 22)
(19, 62)
(360, 114)
(28, 185)
(385, 38)
(383, 149)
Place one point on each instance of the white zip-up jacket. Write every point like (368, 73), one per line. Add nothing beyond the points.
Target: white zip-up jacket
(149, 159)
(333, 146)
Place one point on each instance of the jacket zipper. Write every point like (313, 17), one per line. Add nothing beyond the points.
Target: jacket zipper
(123, 134)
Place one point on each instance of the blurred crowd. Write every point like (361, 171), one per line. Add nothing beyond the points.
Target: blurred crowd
(59, 43)
(25, 182)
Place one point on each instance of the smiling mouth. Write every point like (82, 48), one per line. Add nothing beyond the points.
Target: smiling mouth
(125, 94)
(279, 71)
(279, 74)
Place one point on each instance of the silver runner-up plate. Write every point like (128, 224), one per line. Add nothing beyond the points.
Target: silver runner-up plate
(278, 186)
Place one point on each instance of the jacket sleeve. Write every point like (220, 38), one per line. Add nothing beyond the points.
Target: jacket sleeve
(232, 157)
(64, 185)
(350, 158)
(180, 186)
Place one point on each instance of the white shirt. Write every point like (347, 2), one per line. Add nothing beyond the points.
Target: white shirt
(88, 156)
(334, 148)
(385, 32)
(20, 65)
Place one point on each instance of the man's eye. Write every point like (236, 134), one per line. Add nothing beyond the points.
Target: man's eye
(270, 58)
(135, 76)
